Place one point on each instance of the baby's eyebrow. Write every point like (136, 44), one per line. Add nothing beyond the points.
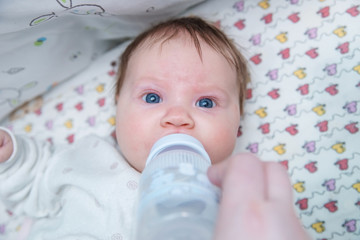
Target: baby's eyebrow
(161, 84)
(146, 83)
(214, 89)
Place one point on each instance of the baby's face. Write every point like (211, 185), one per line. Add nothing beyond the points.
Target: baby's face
(168, 89)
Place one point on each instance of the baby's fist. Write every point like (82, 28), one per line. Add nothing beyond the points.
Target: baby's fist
(6, 146)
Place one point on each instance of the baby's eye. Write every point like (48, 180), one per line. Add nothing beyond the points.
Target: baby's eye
(152, 98)
(205, 103)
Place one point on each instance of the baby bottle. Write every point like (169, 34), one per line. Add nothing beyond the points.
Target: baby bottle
(176, 200)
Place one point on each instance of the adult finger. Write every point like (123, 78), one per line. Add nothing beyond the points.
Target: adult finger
(245, 175)
(216, 172)
(278, 183)
(241, 179)
(240, 175)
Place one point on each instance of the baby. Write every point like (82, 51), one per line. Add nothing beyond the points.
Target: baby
(181, 76)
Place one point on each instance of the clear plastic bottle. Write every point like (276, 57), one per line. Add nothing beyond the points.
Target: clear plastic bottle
(177, 201)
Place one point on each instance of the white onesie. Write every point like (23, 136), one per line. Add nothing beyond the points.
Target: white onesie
(85, 191)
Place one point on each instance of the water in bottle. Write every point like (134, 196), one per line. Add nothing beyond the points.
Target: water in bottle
(177, 201)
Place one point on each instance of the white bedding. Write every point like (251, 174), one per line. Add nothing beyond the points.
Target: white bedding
(302, 107)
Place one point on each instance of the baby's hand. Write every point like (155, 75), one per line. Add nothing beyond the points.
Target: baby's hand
(6, 146)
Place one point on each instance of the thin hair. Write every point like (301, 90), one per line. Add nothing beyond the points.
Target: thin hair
(197, 29)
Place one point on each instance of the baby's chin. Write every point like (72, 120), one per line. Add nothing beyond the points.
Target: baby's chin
(137, 165)
(136, 161)
(217, 157)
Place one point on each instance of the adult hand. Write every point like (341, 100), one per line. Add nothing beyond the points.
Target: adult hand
(6, 146)
(256, 201)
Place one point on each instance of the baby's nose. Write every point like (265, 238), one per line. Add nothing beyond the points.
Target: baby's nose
(177, 117)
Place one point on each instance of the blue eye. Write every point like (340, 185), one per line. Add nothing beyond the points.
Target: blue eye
(152, 98)
(206, 103)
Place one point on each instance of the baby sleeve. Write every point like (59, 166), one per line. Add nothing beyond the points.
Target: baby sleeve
(18, 173)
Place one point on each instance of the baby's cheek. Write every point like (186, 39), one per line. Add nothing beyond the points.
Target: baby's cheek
(222, 149)
(135, 151)
(219, 157)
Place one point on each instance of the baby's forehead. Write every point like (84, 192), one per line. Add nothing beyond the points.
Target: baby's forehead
(181, 38)
(179, 50)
